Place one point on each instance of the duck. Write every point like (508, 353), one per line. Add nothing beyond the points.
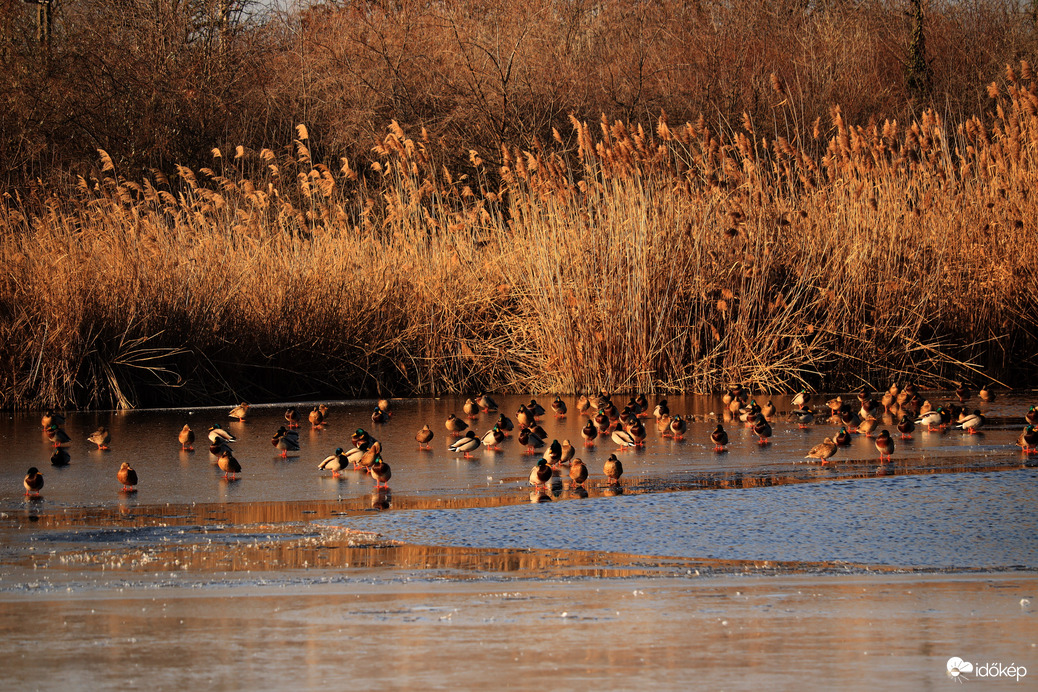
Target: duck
(229, 465)
(471, 408)
(218, 434)
(762, 429)
(1028, 440)
(316, 418)
(802, 398)
(33, 481)
(455, 426)
(768, 409)
(468, 443)
(971, 423)
(906, 427)
(285, 441)
(720, 438)
(383, 405)
(127, 476)
(492, 438)
(623, 440)
(678, 426)
(843, 438)
(530, 440)
(219, 447)
(583, 404)
(381, 472)
(50, 417)
(424, 437)
(885, 445)
(60, 457)
(100, 437)
(558, 406)
(1031, 417)
(505, 424)
(567, 452)
(535, 409)
(823, 450)
(663, 425)
(613, 469)
(540, 475)
(378, 416)
(963, 392)
(486, 403)
(637, 431)
(187, 438)
(361, 438)
(577, 473)
(523, 416)
(553, 453)
(239, 411)
(335, 462)
(805, 417)
(602, 421)
(986, 394)
(933, 420)
(370, 456)
(643, 403)
(589, 432)
(868, 426)
(662, 409)
(58, 436)
(292, 417)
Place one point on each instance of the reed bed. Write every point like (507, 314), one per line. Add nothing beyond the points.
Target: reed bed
(677, 258)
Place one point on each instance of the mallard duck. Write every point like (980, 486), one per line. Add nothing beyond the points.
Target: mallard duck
(292, 417)
(335, 462)
(218, 448)
(378, 416)
(50, 418)
(558, 406)
(60, 457)
(623, 440)
(748, 414)
(492, 438)
(455, 425)
(933, 420)
(239, 411)
(663, 425)
(906, 427)
(530, 440)
(505, 424)
(613, 469)
(869, 407)
(637, 431)
(1029, 440)
(100, 437)
(541, 474)
(486, 403)
(370, 455)
(471, 408)
(589, 432)
(361, 438)
(801, 399)
(577, 473)
(553, 453)
(768, 409)
(1031, 417)
(57, 436)
(218, 435)
(187, 438)
(678, 426)
(535, 409)
(424, 437)
(381, 472)
(602, 421)
(229, 465)
(884, 445)
(986, 394)
(611, 411)
(868, 426)
(963, 392)
(33, 481)
(568, 452)
(468, 443)
(762, 429)
(285, 441)
(316, 418)
(843, 438)
(127, 476)
(523, 416)
(720, 438)
(823, 451)
(805, 417)
(971, 423)
(583, 404)
(383, 404)
(835, 405)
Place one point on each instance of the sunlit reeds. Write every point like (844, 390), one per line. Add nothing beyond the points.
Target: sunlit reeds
(676, 258)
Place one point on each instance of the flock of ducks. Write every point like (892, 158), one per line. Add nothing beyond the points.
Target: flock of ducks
(904, 408)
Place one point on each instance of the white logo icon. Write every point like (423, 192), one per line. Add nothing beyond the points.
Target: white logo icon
(956, 667)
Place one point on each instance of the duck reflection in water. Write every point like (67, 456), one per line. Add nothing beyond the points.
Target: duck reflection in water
(540, 495)
(381, 499)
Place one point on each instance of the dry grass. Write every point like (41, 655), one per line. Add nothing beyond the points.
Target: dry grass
(675, 259)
